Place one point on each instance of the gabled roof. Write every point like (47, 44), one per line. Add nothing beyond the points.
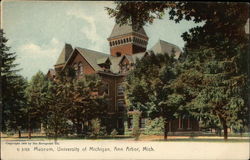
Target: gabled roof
(92, 57)
(63, 57)
(126, 29)
(165, 47)
(102, 60)
(138, 56)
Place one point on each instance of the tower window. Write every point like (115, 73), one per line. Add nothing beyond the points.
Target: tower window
(118, 54)
(116, 43)
(129, 39)
(110, 43)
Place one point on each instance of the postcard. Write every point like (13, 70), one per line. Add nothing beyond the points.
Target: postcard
(124, 80)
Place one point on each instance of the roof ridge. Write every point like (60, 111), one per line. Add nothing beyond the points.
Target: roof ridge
(90, 50)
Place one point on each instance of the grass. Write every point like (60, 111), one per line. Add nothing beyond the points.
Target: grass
(203, 140)
(159, 138)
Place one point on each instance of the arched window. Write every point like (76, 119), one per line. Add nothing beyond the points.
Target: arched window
(80, 68)
(115, 42)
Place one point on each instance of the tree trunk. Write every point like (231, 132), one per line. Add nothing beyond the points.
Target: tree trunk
(29, 136)
(225, 130)
(165, 130)
(19, 133)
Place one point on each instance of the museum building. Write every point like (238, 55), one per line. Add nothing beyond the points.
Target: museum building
(126, 46)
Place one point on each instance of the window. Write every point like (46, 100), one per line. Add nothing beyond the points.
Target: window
(120, 90)
(76, 69)
(80, 68)
(120, 105)
(104, 89)
(118, 54)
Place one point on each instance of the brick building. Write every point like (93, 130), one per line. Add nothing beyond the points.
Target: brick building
(126, 45)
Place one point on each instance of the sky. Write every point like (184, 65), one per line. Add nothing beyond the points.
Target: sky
(38, 30)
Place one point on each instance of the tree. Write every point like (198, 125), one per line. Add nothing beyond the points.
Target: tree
(215, 54)
(77, 99)
(37, 101)
(151, 79)
(12, 90)
(87, 102)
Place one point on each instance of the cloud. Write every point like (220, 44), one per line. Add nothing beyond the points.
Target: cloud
(89, 30)
(34, 57)
(32, 50)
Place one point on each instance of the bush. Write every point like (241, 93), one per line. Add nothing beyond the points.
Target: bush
(114, 133)
(96, 129)
(155, 127)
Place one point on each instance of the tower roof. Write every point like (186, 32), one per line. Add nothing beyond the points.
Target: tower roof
(63, 57)
(120, 30)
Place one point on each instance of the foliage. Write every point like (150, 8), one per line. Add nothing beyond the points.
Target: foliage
(96, 128)
(12, 90)
(114, 133)
(155, 126)
(213, 75)
(37, 100)
(151, 79)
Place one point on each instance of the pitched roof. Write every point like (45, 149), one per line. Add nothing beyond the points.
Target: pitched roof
(92, 57)
(63, 57)
(119, 30)
(165, 47)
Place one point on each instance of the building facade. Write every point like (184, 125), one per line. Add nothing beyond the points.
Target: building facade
(126, 46)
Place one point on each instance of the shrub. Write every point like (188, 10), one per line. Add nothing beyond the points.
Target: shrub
(155, 127)
(96, 128)
(114, 133)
